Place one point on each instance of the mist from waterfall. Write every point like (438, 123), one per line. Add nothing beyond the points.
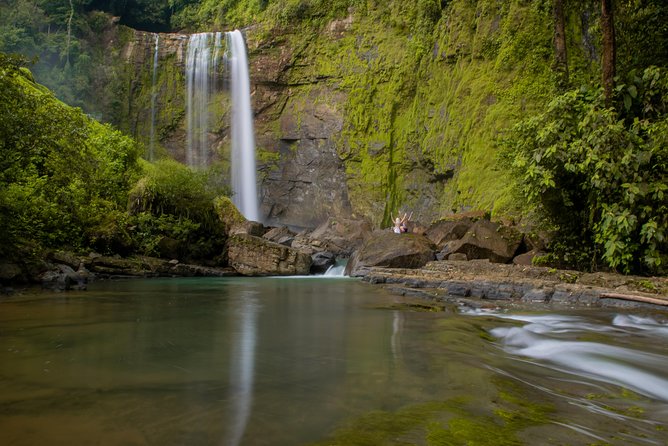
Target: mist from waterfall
(244, 186)
(200, 77)
(154, 95)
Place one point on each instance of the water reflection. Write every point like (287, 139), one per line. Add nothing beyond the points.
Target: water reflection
(395, 340)
(271, 362)
(243, 366)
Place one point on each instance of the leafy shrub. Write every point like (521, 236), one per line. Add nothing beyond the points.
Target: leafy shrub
(173, 203)
(599, 177)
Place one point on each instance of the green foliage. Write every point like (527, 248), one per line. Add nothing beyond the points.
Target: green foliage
(429, 88)
(60, 171)
(601, 178)
(641, 31)
(173, 202)
(67, 56)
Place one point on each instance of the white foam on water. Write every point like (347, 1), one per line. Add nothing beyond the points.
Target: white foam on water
(552, 340)
(336, 271)
(646, 324)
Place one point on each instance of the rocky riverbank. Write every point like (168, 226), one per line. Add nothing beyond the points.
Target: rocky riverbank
(464, 259)
(480, 283)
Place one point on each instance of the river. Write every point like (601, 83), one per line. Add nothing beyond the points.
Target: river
(320, 361)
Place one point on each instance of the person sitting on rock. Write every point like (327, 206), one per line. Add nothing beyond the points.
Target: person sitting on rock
(404, 226)
(400, 224)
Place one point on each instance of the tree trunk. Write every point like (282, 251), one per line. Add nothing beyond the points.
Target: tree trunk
(560, 53)
(69, 34)
(609, 50)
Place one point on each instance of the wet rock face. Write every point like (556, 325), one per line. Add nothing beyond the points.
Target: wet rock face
(309, 184)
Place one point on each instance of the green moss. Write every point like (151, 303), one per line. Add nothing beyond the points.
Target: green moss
(227, 212)
(427, 88)
(451, 422)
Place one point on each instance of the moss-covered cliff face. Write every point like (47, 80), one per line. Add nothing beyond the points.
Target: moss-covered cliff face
(369, 108)
(421, 99)
(378, 110)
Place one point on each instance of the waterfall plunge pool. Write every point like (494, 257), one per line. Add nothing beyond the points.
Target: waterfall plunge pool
(292, 361)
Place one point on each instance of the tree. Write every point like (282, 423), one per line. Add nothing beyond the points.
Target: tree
(560, 53)
(609, 50)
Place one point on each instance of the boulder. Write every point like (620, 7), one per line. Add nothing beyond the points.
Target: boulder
(66, 258)
(253, 228)
(255, 256)
(536, 241)
(340, 236)
(444, 231)
(527, 258)
(387, 249)
(228, 213)
(486, 240)
(321, 261)
(458, 257)
(281, 235)
(168, 247)
(9, 272)
(63, 277)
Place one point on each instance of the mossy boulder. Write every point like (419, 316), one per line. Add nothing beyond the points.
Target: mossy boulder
(228, 213)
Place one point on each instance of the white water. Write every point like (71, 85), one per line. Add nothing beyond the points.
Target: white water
(336, 270)
(244, 186)
(199, 86)
(553, 341)
(242, 371)
(154, 95)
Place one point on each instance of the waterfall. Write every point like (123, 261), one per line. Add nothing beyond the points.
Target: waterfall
(244, 186)
(154, 95)
(336, 270)
(199, 85)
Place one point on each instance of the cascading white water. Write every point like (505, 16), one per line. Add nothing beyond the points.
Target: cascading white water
(244, 186)
(154, 95)
(336, 270)
(199, 85)
(556, 340)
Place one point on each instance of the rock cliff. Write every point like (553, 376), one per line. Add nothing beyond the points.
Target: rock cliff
(365, 115)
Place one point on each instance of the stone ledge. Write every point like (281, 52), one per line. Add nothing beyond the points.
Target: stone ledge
(479, 281)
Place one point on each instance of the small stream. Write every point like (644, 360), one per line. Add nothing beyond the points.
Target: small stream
(320, 361)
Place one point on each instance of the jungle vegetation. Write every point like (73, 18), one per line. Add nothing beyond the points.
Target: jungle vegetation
(570, 96)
